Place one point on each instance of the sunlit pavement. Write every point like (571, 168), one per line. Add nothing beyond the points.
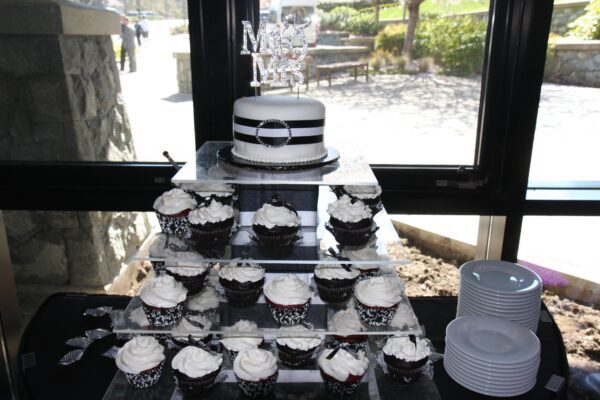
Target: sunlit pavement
(406, 119)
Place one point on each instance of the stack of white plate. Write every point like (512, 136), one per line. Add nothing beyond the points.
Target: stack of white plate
(500, 289)
(492, 356)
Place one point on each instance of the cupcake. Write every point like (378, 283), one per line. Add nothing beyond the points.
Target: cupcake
(142, 360)
(172, 209)
(242, 283)
(211, 224)
(190, 277)
(335, 283)
(205, 303)
(256, 372)
(276, 224)
(405, 359)
(157, 253)
(362, 253)
(195, 369)
(288, 298)
(242, 336)
(404, 317)
(296, 348)
(192, 331)
(350, 221)
(342, 371)
(162, 300)
(347, 321)
(377, 299)
(370, 195)
(222, 192)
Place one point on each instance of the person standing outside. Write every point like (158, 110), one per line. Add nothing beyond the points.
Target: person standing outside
(138, 32)
(145, 27)
(127, 45)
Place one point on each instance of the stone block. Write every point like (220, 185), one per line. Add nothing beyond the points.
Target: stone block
(45, 151)
(41, 259)
(29, 55)
(22, 225)
(87, 263)
(71, 55)
(60, 219)
(50, 98)
(82, 97)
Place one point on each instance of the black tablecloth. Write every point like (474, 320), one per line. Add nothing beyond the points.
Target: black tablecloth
(61, 317)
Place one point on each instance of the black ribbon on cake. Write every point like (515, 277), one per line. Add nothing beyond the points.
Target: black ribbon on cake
(289, 139)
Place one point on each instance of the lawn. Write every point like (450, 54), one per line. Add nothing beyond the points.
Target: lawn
(430, 7)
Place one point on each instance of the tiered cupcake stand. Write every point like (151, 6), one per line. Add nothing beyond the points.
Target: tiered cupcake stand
(301, 382)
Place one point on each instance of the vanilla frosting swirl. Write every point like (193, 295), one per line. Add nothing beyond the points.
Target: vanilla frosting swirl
(234, 340)
(206, 299)
(173, 202)
(270, 216)
(254, 365)
(381, 291)
(344, 210)
(243, 273)
(287, 290)
(139, 354)
(404, 349)
(363, 192)
(163, 291)
(188, 271)
(298, 341)
(346, 320)
(214, 212)
(366, 253)
(206, 189)
(196, 362)
(186, 327)
(328, 272)
(343, 364)
(403, 317)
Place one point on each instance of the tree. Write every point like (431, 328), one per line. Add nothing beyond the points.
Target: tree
(413, 20)
(376, 2)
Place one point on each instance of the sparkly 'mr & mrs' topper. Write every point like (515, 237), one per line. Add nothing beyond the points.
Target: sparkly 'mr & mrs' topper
(284, 67)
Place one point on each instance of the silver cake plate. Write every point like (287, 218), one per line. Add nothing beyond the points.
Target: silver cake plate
(226, 154)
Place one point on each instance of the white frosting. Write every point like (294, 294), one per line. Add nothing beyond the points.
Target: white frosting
(404, 349)
(173, 202)
(138, 316)
(185, 328)
(234, 340)
(298, 341)
(270, 216)
(346, 320)
(403, 317)
(188, 271)
(214, 212)
(286, 108)
(206, 299)
(287, 290)
(325, 271)
(343, 364)
(366, 253)
(139, 354)
(205, 189)
(380, 291)
(196, 362)
(364, 192)
(163, 291)
(254, 365)
(244, 273)
(344, 210)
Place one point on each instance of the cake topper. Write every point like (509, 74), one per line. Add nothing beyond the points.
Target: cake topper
(284, 59)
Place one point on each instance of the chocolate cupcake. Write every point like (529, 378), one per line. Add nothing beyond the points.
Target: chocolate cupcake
(195, 369)
(405, 359)
(370, 195)
(366, 252)
(276, 224)
(296, 345)
(191, 277)
(204, 303)
(288, 298)
(377, 299)
(335, 283)
(192, 331)
(172, 209)
(222, 192)
(342, 371)
(243, 335)
(242, 282)
(211, 224)
(256, 372)
(350, 221)
(162, 300)
(141, 359)
(347, 321)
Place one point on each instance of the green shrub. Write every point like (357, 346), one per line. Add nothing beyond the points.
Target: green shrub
(337, 18)
(363, 24)
(179, 29)
(587, 26)
(391, 38)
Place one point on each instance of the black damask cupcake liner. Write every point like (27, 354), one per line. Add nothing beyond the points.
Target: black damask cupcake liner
(353, 342)
(159, 316)
(288, 314)
(257, 389)
(145, 378)
(335, 290)
(375, 316)
(158, 267)
(242, 293)
(340, 389)
(294, 357)
(213, 235)
(193, 284)
(351, 236)
(195, 386)
(174, 224)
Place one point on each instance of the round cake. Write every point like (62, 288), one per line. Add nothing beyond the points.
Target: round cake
(278, 129)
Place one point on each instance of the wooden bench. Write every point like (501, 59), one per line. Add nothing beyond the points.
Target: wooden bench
(342, 66)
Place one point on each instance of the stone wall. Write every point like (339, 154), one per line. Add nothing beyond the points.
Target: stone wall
(184, 72)
(574, 62)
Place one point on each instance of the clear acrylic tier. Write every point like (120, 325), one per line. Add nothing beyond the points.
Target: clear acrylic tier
(351, 169)
(220, 320)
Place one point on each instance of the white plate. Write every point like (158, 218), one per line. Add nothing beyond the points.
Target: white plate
(519, 314)
(492, 339)
(466, 378)
(490, 372)
(488, 365)
(528, 324)
(500, 276)
(493, 296)
(490, 381)
(532, 306)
